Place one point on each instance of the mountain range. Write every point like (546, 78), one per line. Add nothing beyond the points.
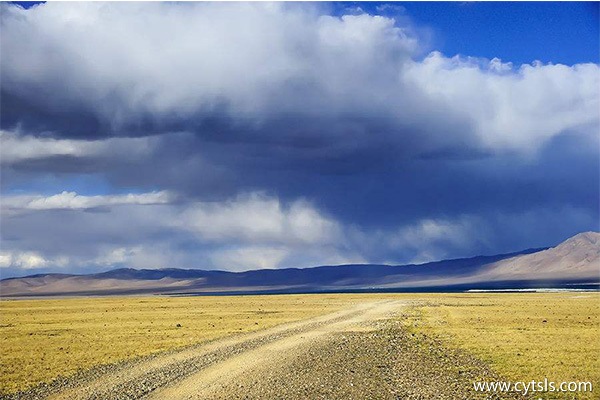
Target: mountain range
(576, 261)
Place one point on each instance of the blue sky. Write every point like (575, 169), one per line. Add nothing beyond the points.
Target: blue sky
(557, 32)
(241, 136)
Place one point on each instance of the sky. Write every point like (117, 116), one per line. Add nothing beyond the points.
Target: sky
(240, 136)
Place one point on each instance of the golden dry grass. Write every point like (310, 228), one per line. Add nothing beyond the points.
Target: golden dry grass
(508, 331)
(42, 339)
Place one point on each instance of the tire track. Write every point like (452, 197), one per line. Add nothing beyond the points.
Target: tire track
(204, 383)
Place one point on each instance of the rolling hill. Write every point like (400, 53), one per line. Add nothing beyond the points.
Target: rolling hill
(577, 260)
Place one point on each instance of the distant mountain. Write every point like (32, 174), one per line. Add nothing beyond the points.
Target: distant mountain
(576, 260)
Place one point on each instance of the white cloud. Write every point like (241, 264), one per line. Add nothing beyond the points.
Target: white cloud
(29, 260)
(253, 231)
(118, 256)
(141, 256)
(131, 62)
(74, 201)
(109, 257)
(258, 218)
(16, 148)
(514, 110)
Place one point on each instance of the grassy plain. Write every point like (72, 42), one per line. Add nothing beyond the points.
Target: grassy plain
(523, 336)
(45, 338)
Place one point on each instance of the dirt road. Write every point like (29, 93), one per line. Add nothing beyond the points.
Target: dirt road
(359, 352)
(214, 381)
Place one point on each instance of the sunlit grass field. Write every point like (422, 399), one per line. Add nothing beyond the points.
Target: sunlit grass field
(42, 339)
(523, 336)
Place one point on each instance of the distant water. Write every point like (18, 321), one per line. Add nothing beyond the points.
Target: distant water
(491, 287)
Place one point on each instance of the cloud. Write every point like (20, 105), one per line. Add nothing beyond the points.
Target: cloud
(141, 256)
(149, 230)
(516, 109)
(248, 258)
(279, 135)
(259, 218)
(18, 148)
(253, 231)
(125, 74)
(73, 201)
(28, 260)
(432, 240)
(423, 240)
(352, 77)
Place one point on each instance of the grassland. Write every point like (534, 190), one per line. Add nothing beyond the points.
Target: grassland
(522, 336)
(43, 339)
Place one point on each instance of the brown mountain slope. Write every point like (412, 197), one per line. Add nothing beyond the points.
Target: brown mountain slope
(57, 284)
(575, 258)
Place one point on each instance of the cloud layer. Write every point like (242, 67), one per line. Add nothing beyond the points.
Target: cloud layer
(267, 135)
